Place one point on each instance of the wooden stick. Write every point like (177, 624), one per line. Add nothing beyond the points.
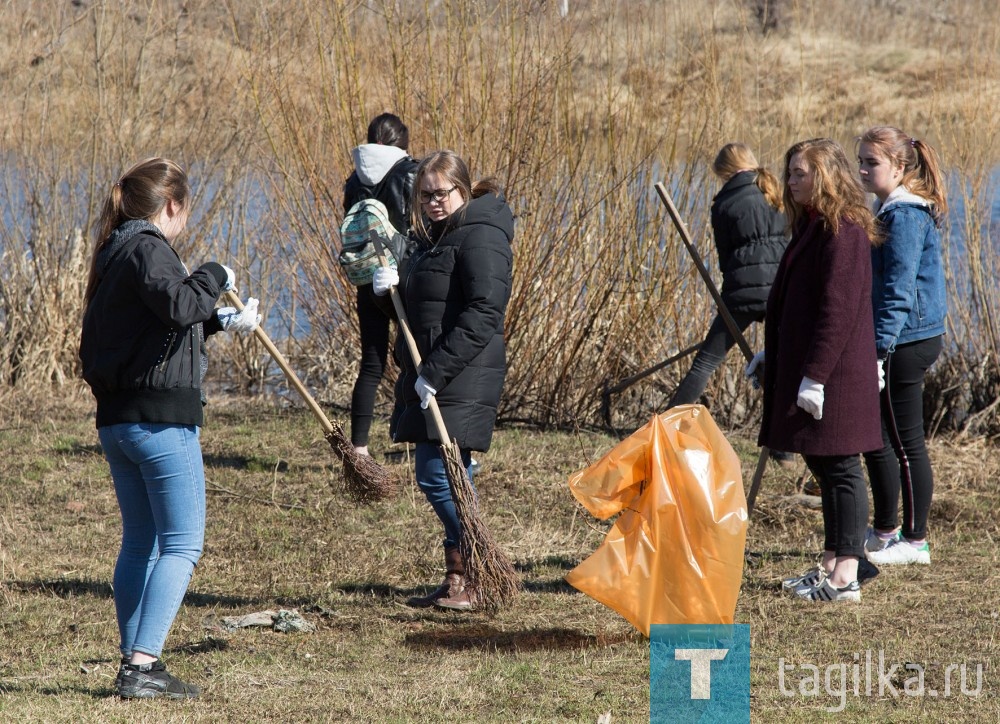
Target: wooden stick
(727, 317)
(280, 360)
(364, 479)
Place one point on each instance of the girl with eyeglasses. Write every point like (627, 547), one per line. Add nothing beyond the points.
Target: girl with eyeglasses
(455, 287)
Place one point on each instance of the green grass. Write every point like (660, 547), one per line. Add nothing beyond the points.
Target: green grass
(282, 535)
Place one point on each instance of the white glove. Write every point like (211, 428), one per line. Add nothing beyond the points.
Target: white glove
(755, 370)
(230, 285)
(811, 397)
(425, 391)
(881, 375)
(243, 322)
(384, 279)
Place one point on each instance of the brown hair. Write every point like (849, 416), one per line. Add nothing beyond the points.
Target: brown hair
(836, 194)
(140, 193)
(921, 170)
(735, 157)
(451, 167)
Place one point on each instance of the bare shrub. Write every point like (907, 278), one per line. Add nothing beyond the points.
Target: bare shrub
(577, 111)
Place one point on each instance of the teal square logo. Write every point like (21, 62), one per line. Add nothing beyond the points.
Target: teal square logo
(699, 673)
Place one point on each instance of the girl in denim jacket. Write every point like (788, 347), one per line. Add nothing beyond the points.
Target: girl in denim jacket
(909, 303)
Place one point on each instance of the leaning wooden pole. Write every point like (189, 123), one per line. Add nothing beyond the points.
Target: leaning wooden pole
(727, 317)
(488, 572)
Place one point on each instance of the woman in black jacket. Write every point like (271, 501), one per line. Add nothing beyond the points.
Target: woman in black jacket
(749, 231)
(383, 170)
(455, 288)
(142, 352)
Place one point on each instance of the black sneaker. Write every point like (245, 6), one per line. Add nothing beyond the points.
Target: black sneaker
(148, 681)
(866, 571)
(121, 670)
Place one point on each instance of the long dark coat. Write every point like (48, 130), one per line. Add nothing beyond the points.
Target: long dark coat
(819, 325)
(455, 293)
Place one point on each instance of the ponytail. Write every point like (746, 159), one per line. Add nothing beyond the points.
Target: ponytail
(768, 184)
(141, 193)
(921, 170)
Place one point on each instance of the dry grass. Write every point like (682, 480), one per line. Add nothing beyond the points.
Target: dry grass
(281, 536)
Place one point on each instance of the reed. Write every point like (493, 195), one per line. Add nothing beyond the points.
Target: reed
(577, 116)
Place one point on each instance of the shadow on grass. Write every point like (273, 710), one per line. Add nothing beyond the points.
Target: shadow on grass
(74, 587)
(78, 448)
(557, 561)
(384, 592)
(488, 638)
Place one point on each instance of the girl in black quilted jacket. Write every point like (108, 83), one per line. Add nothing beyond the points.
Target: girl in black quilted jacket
(749, 230)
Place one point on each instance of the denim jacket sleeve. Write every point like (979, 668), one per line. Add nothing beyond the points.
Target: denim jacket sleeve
(895, 268)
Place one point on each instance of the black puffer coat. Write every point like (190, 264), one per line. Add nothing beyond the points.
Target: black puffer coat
(750, 238)
(455, 293)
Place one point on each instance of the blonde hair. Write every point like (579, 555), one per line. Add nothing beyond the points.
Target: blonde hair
(140, 193)
(921, 170)
(450, 166)
(836, 193)
(735, 157)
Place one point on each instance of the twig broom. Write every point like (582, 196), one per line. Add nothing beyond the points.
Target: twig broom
(488, 571)
(364, 479)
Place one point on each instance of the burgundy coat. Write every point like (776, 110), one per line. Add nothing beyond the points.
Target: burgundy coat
(819, 325)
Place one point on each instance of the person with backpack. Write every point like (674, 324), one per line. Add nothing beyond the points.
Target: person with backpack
(455, 288)
(142, 353)
(384, 171)
(820, 380)
(909, 301)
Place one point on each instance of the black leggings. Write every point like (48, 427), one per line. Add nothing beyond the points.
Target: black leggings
(902, 465)
(845, 502)
(374, 326)
(711, 355)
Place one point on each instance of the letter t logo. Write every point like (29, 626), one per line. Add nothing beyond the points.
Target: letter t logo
(701, 668)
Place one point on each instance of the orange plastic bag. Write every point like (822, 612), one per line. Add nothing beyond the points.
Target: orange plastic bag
(675, 554)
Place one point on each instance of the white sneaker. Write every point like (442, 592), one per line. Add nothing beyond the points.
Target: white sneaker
(901, 552)
(826, 592)
(810, 578)
(874, 542)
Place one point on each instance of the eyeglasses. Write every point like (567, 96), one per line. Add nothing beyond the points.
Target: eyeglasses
(439, 195)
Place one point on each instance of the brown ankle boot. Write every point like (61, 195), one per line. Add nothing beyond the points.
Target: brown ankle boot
(460, 598)
(453, 582)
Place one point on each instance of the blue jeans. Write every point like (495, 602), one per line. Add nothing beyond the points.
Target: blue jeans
(159, 479)
(432, 478)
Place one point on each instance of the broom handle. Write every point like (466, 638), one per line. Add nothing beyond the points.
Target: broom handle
(293, 379)
(411, 343)
(734, 330)
(727, 317)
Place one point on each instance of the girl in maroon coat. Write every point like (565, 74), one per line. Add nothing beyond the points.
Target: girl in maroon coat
(820, 374)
